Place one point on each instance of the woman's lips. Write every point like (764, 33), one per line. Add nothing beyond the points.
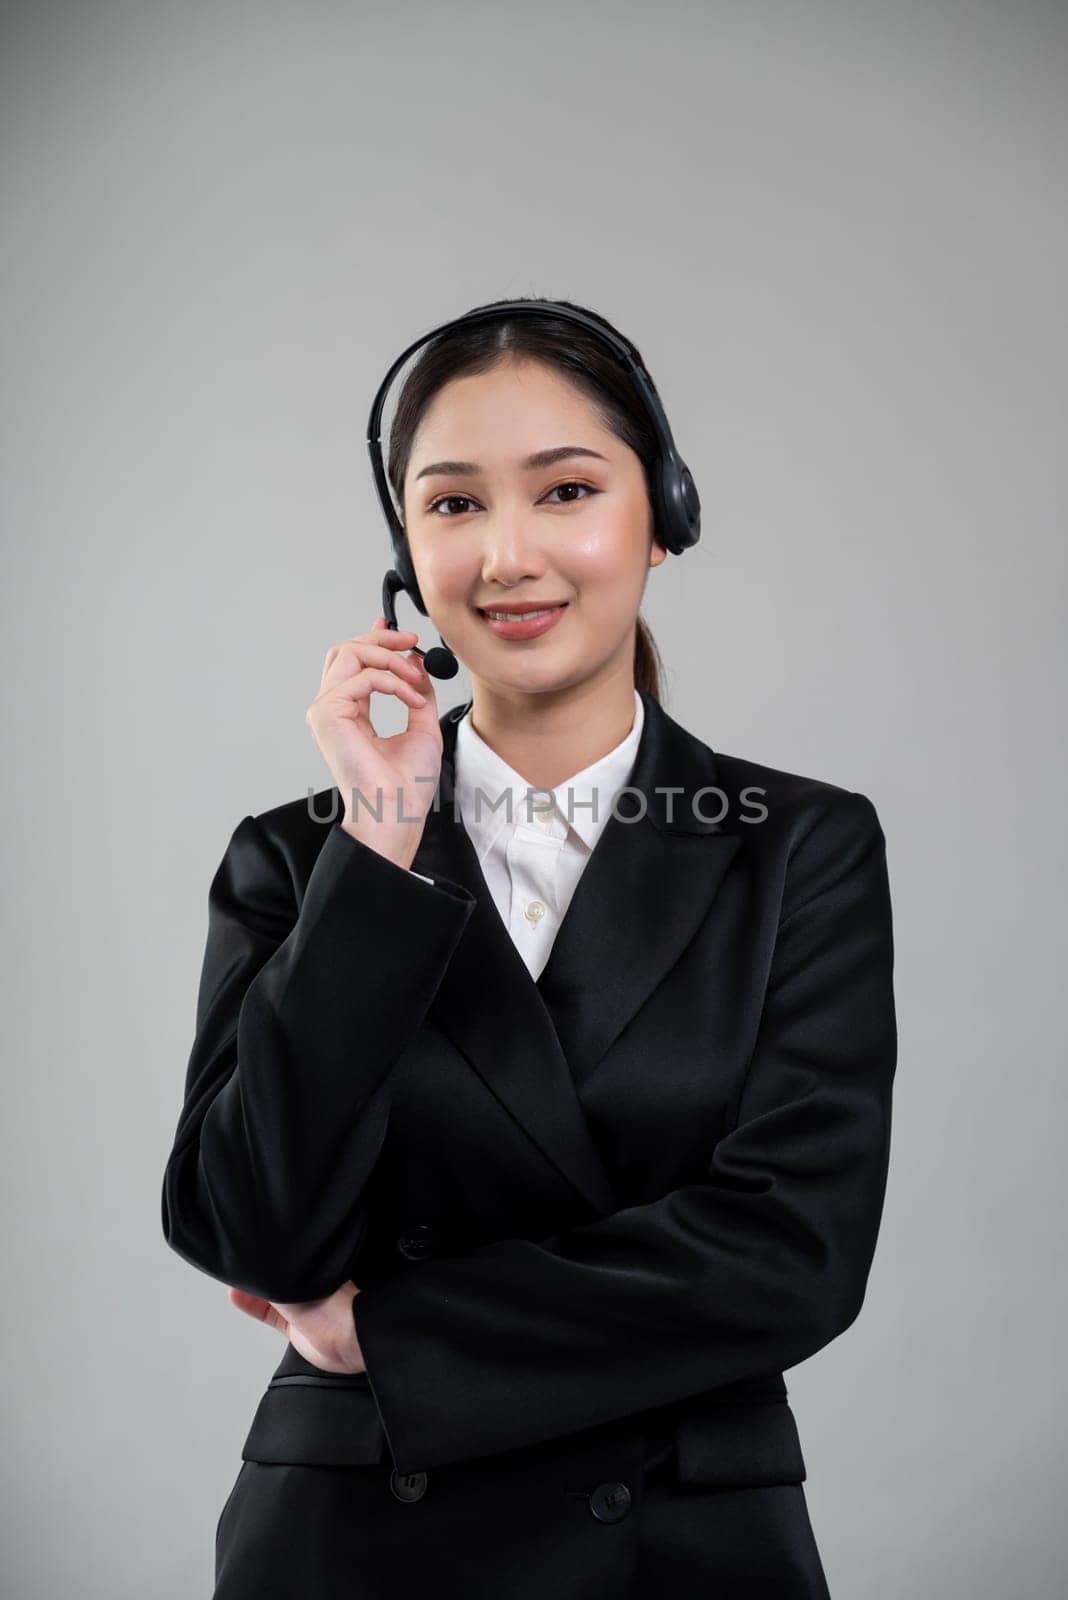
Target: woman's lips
(524, 627)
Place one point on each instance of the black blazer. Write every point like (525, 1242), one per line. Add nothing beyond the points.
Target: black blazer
(646, 1184)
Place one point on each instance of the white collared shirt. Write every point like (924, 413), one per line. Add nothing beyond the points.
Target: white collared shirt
(532, 852)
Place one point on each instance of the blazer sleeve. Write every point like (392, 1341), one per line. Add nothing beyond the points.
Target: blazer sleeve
(300, 1015)
(741, 1275)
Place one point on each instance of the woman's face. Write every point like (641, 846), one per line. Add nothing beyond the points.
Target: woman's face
(486, 528)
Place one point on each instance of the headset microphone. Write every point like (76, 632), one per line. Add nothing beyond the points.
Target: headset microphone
(439, 661)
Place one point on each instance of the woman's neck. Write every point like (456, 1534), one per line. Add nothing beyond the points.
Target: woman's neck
(548, 738)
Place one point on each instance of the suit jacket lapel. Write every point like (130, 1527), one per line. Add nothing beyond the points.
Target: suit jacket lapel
(642, 896)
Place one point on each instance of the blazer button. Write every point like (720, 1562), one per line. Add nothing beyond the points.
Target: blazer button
(416, 1243)
(408, 1485)
(610, 1502)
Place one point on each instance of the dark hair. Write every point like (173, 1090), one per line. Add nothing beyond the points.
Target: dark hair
(574, 352)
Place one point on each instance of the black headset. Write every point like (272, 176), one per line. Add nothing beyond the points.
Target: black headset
(676, 504)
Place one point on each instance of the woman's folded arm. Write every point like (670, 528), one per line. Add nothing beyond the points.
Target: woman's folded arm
(300, 1015)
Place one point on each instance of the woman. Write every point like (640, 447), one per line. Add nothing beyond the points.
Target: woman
(541, 1091)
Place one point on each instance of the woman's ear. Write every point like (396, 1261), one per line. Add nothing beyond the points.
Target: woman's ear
(657, 551)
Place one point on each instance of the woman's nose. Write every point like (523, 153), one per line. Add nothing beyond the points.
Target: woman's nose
(510, 550)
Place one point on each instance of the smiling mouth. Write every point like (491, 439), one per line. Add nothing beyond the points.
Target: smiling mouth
(520, 613)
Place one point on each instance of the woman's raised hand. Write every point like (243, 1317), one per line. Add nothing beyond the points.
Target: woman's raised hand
(397, 775)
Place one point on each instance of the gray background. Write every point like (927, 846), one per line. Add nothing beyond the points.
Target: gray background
(837, 233)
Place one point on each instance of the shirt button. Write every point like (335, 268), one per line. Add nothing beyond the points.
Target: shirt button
(535, 910)
(610, 1502)
(546, 816)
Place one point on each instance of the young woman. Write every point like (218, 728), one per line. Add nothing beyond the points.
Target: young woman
(541, 1090)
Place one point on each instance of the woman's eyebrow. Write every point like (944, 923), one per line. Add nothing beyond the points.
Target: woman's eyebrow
(540, 458)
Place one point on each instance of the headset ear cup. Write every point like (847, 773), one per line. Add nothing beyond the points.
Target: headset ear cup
(692, 504)
(680, 516)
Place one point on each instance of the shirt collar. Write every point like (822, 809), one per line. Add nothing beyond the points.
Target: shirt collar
(477, 767)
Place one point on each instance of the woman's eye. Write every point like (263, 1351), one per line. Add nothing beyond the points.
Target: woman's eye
(570, 485)
(451, 499)
(445, 498)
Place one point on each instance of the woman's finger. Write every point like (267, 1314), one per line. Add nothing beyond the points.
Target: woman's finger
(374, 655)
(355, 695)
(260, 1310)
(395, 641)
